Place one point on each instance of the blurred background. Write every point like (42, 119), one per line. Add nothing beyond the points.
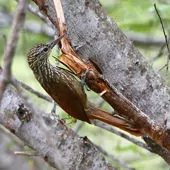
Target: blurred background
(139, 21)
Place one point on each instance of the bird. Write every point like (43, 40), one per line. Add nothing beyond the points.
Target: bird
(67, 91)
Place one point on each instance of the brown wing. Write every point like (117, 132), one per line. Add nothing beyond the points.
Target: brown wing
(67, 91)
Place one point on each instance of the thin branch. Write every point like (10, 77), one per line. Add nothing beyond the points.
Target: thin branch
(11, 45)
(123, 135)
(78, 126)
(144, 39)
(162, 68)
(166, 39)
(163, 29)
(40, 15)
(160, 53)
(113, 158)
(12, 137)
(26, 153)
(155, 148)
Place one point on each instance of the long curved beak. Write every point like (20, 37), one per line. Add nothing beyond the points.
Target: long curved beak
(53, 43)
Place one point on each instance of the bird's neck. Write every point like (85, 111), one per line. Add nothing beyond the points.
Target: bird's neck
(42, 69)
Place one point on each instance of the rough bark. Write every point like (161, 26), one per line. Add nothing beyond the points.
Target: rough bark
(10, 144)
(94, 35)
(59, 146)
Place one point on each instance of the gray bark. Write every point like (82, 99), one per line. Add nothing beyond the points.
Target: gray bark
(94, 35)
(8, 160)
(57, 144)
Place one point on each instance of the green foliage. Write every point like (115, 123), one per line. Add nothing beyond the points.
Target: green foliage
(10, 6)
(138, 16)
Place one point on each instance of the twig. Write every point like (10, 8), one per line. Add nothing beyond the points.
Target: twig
(123, 135)
(160, 53)
(12, 137)
(113, 158)
(156, 149)
(40, 15)
(26, 153)
(162, 68)
(11, 45)
(145, 40)
(166, 39)
(78, 126)
(163, 29)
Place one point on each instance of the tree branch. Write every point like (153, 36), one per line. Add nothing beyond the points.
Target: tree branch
(93, 35)
(57, 144)
(113, 158)
(11, 44)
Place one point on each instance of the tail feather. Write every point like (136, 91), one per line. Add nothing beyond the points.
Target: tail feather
(114, 121)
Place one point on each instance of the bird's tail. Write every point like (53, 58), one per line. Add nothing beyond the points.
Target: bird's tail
(114, 120)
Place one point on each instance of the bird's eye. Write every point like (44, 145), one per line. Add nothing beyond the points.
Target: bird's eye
(45, 49)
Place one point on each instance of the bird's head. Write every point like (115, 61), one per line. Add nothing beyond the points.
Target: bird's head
(40, 52)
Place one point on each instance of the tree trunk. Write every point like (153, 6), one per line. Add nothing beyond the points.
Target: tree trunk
(94, 35)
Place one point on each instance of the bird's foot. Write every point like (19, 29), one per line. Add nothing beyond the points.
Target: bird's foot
(53, 111)
(83, 83)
